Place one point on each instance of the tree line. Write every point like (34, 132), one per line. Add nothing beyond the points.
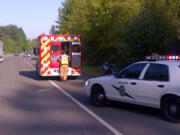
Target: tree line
(14, 39)
(121, 31)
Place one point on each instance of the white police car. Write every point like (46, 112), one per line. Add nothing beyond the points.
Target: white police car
(152, 83)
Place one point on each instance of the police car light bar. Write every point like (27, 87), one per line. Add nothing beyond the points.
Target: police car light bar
(163, 57)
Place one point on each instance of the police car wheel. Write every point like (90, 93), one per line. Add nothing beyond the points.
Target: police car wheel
(98, 96)
(171, 109)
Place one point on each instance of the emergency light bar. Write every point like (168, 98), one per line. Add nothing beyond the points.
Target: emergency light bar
(163, 57)
(60, 38)
(52, 38)
(69, 38)
(45, 38)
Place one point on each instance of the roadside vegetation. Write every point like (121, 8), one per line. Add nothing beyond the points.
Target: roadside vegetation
(15, 39)
(91, 70)
(121, 31)
(118, 31)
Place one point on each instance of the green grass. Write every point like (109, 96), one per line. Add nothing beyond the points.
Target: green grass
(91, 70)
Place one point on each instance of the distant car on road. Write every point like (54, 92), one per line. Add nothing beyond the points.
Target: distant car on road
(28, 54)
(1, 58)
(153, 83)
(25, 55)
(16, 54)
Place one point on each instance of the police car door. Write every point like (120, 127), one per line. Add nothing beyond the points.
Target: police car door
(125, 85)
(153, 84)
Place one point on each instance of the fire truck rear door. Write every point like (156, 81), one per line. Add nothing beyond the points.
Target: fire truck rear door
(76, 54)
(55, 54)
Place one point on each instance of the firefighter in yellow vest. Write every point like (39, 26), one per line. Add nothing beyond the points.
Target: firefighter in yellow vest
(64, 65)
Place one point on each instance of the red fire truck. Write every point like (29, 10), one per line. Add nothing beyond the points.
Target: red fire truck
(49, 49)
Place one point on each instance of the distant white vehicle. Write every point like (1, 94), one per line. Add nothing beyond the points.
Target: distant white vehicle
(28, 54)
(152, 83)
(1, 51)
(1, 58)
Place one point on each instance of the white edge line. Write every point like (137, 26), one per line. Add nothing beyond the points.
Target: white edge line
(95, 116)
(30, 65)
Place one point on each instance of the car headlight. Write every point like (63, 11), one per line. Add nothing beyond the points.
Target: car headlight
(87, 83)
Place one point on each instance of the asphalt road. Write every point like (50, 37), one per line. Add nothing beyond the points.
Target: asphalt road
(29, 106)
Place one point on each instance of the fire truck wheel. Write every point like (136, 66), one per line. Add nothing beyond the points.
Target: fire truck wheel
(73, 77)
(39, 77)
(37, 74)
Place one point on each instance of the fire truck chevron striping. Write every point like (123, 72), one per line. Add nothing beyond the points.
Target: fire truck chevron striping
(45, 57)
(50, 50)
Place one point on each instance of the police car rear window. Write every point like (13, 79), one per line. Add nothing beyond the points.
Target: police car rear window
(157, 72)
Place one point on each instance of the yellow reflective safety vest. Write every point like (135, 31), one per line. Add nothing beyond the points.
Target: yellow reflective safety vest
(64, 59)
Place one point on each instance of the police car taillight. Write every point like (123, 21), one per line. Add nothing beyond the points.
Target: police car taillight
(163, 57)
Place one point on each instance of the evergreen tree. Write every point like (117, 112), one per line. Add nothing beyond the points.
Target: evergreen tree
(53, 30)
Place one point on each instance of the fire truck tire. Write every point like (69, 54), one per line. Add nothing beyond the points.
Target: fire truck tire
(38, 75)
(73, 77)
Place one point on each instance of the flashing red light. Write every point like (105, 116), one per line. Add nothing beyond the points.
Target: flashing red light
(169, 57)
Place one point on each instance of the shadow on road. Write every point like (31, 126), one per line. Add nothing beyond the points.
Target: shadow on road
(44, 113)
(142, 110)
(33, 75)
(29, 74)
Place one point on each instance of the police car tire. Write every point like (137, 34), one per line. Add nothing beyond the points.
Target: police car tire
(97, 90)
(168, 103)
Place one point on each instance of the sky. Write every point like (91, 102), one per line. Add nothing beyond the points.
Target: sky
(33, 16)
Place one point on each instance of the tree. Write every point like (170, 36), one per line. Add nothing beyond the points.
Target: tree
(153, 29)
(121, 31)
(1, 33)
(9, 44)
(16, 36)
(53, 30)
